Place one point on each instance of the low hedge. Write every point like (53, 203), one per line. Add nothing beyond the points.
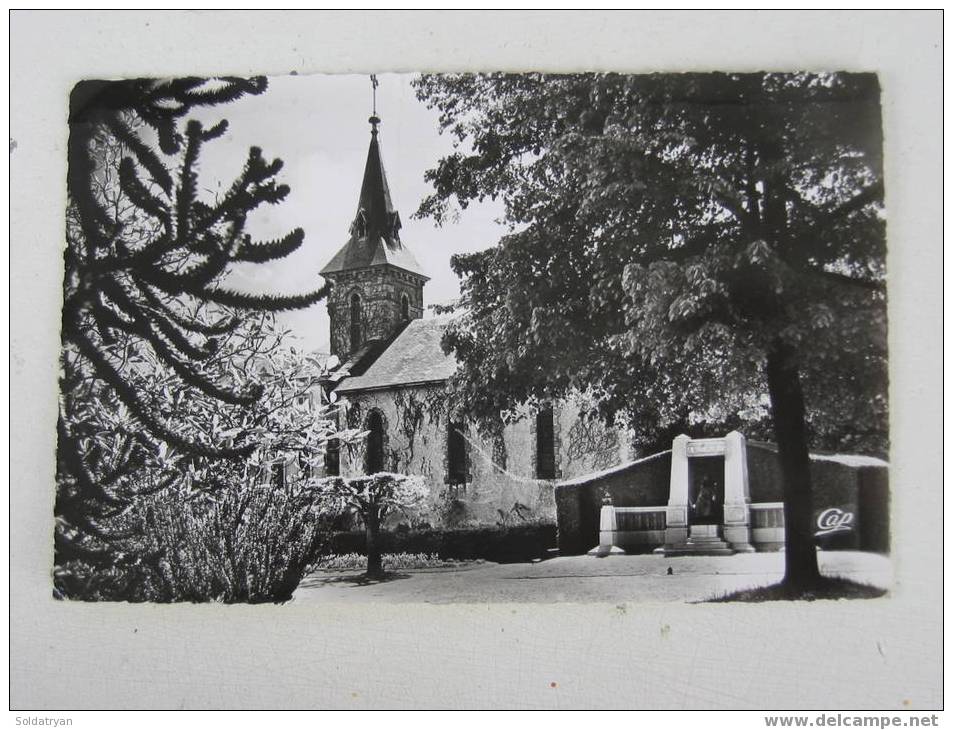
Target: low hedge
(517, 544)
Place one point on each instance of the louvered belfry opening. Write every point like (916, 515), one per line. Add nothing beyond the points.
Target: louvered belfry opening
(278, 475)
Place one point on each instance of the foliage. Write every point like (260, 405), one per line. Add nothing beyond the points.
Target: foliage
(516, 543)
(374, 498)
(152, 337)
(253, 545)
(250, 544)
(197, 500)
(379, 494)
(689, 247)
(654, 219)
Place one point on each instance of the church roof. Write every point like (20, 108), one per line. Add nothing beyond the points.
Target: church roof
(414, 357)
(375, 238)
(359, 360)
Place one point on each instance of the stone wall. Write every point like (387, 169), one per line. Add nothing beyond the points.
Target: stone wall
(501, 486)
(639, 483)
(850, 484)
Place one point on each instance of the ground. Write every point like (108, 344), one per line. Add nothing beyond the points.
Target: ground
(617, 579)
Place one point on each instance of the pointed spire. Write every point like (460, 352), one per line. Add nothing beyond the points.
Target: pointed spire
(376, 215)
(374, 238)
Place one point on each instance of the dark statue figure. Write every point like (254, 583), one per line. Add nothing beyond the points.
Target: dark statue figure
(706, 508)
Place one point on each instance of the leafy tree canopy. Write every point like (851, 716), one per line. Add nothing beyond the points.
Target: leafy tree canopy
(668, 234)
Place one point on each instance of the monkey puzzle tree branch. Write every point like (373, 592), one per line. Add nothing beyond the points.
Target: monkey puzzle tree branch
(142, 335)
(128, 395)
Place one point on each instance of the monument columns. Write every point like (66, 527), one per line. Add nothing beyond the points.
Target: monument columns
(676, 513)
(737, 523)
(736, 526)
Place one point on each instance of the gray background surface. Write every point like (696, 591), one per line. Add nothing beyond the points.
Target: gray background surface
(874, 654)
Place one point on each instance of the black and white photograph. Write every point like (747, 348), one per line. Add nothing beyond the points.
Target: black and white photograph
(473, 338)
(658, 331)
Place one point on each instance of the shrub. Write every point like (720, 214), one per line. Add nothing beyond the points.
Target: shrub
(251, 545)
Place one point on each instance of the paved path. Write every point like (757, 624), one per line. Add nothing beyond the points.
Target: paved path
(616, 579)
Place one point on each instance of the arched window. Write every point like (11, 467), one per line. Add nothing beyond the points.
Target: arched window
(545, 445)
(404, 307)
(355, 321)
(374, 456)
(456, 453)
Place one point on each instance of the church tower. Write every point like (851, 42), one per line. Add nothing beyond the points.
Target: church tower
(376, 283)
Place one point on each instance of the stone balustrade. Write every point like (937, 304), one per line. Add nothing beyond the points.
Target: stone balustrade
(629, 528)
(767, 525)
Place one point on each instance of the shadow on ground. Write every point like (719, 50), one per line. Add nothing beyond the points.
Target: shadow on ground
(826, 588)
(355, 581)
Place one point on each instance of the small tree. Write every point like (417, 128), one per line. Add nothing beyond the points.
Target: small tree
(373, 497)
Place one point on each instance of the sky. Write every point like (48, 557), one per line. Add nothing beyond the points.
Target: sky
(317, 125)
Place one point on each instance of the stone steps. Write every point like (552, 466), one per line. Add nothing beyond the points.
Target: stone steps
(688, 548)
(702, 540)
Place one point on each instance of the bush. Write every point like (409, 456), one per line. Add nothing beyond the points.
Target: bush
(253, 546)
(250, 545)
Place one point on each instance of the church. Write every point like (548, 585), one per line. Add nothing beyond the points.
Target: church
(393, 379)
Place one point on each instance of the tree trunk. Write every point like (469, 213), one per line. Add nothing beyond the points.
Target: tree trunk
(787, 406)
(372, 525)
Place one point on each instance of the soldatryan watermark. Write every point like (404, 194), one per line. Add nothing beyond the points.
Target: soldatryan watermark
(34, 720)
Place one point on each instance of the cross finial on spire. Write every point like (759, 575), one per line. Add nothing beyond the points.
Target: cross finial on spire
(374, 120)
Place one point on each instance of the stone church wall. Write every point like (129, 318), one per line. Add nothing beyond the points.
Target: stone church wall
(501, 488)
